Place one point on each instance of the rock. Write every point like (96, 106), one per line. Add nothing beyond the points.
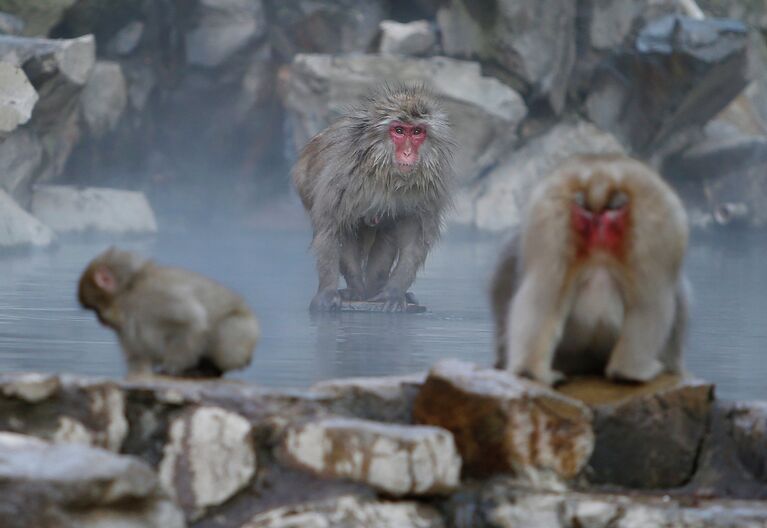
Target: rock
(384, 399)
(10, 25)
(683, 73)
(75, 486)
(411, 38)
(104, 98)
(18, 228)
(324, 26)
(395, 459)
(749, 431)
(141, 81)
(530, 41)
(17, 98)
(125, 41)
(21, 155)
(39, 16)
(646, 436)
(209, 457)
(68, 209)
(349, 511)
(613, 22)
(501, 196)
(73, 59)
(484, 112)
(63, 411)
(502, 423)
(224, 28)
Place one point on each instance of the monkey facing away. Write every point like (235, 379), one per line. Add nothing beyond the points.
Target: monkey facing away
(592, 282)
(376, 184)
(172, 319)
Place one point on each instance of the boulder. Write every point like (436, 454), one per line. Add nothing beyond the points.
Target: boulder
(349, 511)
(497, 202)
(17, 98)
(39, 16)
(69, 209)
(647, 436)
(502, 423)
(43, 59)
(18, 228)
(224, 28)
(76, 486)
(531, 42)
(395, 459)
(324, 26)
(126, 40)
(10, 25)
(748, 422)
(484, 112)
(613, 23)
(104, 98)
(21, 156)
(683, 72)
(411, 38)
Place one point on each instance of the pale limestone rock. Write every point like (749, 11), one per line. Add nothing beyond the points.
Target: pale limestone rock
(31, 387)
(17, 98)
(396, 459)
(20, 229)
(69, 209)
(409, 38)
(208, 458)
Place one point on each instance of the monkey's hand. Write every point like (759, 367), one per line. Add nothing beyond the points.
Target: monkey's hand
(326, 301)
(394, 299)
(351, 294)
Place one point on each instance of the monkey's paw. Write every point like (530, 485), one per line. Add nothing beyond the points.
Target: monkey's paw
(393, 298)
(351, 294)
(326, 301)
(636, 372)
(546, 376)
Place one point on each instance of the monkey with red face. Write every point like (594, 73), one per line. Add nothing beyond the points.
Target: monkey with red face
(593, 280)
(376, 184)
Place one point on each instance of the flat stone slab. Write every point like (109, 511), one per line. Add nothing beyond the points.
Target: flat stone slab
(395, 459)
(366, 306)
(503, 423)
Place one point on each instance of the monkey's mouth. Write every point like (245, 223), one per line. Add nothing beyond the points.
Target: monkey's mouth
(405, 168)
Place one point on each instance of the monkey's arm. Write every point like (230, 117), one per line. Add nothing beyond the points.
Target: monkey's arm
(327, 248)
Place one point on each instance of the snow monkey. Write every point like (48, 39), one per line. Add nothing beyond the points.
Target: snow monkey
(592, 282)
(376, 184)
(168, 318)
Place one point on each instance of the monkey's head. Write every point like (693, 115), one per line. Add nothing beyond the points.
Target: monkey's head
(411, 130)
(107, 276)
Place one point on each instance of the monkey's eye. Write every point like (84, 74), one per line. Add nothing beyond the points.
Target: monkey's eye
(399, 130)
(417, 131)
(618, 200)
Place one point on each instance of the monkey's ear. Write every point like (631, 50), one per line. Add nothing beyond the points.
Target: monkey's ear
(105, 279)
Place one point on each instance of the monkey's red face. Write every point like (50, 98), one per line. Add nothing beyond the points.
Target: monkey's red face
(407, 140)
(600, 230)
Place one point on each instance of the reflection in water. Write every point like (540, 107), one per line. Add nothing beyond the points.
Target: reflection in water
(42, 327)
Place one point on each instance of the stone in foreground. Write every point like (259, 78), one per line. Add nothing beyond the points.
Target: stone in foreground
(68, 209)
(75, 486)
(349, 512)
(395, 459)
(209, 457)
(503, 423)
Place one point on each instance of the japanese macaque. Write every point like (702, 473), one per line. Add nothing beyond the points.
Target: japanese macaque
(376, 184)
(592, 283)
(169, 319)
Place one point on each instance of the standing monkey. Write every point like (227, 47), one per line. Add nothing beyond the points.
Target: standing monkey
(375, 184)
(167, 317)
(593, 281)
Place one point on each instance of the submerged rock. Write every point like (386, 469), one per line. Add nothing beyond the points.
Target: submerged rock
(396, 459)
(68, 209)
(503, 423)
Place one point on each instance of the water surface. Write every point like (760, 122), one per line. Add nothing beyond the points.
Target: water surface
(43, 329)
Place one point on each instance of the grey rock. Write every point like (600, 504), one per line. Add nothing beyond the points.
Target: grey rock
(208, 458)
(20, 157)
(613, 22)
(349, 512)
(17, 98)
(10, 25)
(531, 41)
(39, 16)
(749, 431)
(141, 82)
(127, 39)
(75, 486)
(412, 38)
(20, 229)
(396, 459)
(484, 112)
(497, 202)
(104, 98)
(73, 59)
(225, 27)
(68, 209)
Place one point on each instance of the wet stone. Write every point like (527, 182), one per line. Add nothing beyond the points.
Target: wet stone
(503, 423)
(395, 459)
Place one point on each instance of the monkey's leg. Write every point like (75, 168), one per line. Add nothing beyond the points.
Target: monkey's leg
(645, 331)
(412, 250)
(501, 295)
(535, 327)
(672, 355)
(380, 261)
(138, 366)
(351, 268)
(328, 250)
(233, 342)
